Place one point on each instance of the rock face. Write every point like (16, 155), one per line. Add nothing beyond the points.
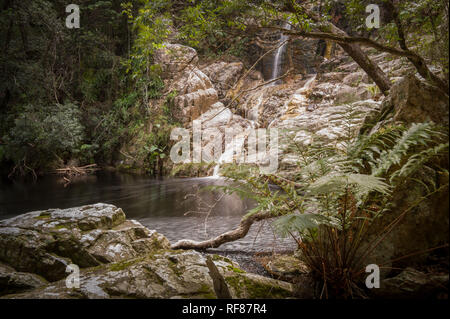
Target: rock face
(194, 90)
(415, 101)
(224, 75)
(118, 258)
(175, 58)
(411, 283)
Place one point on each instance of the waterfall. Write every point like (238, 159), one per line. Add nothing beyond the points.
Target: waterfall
(253, 114)
(236, 144)
(228, 154)
(277, 65)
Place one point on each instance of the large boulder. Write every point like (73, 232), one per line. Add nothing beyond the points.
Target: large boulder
(45, 242)
(117, 258)
(415, 101)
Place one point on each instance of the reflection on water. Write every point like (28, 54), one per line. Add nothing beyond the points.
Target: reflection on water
(174, 207)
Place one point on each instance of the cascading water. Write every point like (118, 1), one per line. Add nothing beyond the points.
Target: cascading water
(238, 142)
(277, 65)
(227, 157)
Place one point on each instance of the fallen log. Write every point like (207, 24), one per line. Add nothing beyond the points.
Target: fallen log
(70, 172)
(76, 171)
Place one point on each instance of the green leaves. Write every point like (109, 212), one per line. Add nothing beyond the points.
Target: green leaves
(298, 223)
(421, 134)
(361, 184)
(42, 131)
(417, 161)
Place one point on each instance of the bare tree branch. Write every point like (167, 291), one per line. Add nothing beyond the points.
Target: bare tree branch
(238, 233)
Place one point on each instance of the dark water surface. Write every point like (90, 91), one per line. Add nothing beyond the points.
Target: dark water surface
(176, 208)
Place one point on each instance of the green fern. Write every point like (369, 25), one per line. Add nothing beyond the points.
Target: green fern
(298, 223)
(360, 183)
(421, 134)
(418, 161)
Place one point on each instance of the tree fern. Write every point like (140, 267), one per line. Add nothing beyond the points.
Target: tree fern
(368, 148)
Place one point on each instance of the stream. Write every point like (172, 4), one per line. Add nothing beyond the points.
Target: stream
(173, 207)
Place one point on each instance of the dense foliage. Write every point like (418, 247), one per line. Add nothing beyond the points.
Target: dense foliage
(105, 73)
(331, 203)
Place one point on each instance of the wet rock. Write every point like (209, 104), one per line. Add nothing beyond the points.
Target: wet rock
(217, 123)
(411, 283)
(327, 123)
(163, 274)
(45, 242)
(12, 281)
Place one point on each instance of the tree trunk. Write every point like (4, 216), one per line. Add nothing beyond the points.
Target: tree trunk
(418, 62)
(372, 69)
(357, 54)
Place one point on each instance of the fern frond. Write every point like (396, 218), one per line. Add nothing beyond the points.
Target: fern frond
(297, 223)
(367, 148)
(417, 161)
(362, 183)
(418, 134)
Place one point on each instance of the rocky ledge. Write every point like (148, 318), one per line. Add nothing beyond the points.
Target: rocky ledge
(118, 258)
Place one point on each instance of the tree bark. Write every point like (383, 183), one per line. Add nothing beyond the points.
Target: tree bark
(357, 54)
(372, 69)
(229, 236)
(351, 47)
(418, 62)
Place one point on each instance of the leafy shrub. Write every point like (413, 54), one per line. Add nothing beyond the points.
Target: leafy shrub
(41, 134)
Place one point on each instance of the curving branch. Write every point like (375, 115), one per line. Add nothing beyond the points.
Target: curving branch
(235, 234)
